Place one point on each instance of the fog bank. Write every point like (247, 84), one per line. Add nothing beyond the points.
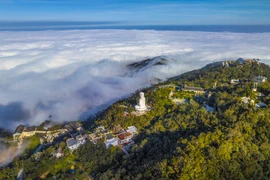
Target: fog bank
(69, 73)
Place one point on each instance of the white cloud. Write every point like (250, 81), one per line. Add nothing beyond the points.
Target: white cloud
(9, 152)
(67, 73)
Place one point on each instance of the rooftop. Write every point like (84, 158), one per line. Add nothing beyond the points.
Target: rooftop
(79, 137)
(92, 136)
(124, 135)
(109, 136)
(132, 129)
(112, 141)
(260, 79)
(71, 142)
(75, 124)
(69, 128)
(192, 88)
(261, 104)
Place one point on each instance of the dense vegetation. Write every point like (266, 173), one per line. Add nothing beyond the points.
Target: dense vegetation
(176, 141)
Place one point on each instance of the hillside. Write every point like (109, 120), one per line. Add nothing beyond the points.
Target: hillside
(198, 127)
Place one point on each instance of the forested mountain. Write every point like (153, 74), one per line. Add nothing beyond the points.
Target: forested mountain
(176, 141)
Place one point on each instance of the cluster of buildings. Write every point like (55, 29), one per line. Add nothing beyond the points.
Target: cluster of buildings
(250, 61)
(122, 138)
(257, 79)
(238, 62)
(248, 100)
(77, 136)
(198, 91)
(72, 128)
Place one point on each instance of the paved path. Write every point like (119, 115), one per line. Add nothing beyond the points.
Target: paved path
(125, 151)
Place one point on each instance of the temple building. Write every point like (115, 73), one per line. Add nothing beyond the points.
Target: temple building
(141, 106)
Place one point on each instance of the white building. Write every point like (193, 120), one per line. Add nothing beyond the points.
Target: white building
(260, 79)
(110, 140)
(141, 106)
(80, 139)
(72, 144)
(132, 130)
(235, 81)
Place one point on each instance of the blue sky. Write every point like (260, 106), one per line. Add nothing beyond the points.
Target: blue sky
(178, 12)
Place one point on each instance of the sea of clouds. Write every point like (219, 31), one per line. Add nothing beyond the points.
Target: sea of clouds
(71, 74)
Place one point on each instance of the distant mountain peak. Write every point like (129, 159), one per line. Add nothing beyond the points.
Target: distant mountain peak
(148, 63)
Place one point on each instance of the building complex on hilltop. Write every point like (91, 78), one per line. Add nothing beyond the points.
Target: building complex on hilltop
(122, 138)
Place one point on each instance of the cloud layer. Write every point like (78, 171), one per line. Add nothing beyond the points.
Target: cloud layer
(72, 73)
(8, 153)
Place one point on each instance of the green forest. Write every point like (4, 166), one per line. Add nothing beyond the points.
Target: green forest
(174, 141)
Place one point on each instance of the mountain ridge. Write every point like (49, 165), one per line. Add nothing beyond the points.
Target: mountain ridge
(177, 141)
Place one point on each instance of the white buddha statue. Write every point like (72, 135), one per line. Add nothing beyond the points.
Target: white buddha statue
(141, 106)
